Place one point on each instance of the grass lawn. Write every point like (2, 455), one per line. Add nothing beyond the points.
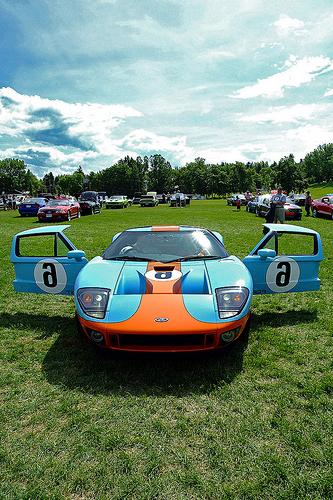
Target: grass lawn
(251, 422)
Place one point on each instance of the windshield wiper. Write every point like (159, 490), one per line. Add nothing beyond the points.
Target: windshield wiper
(127, 257)
(199, 257)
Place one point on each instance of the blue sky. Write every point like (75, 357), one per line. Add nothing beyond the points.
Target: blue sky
(87, 82)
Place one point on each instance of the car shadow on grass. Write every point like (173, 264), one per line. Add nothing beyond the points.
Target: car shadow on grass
(283, 318)
(73, 362)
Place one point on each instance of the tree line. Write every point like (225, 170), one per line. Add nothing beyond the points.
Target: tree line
(155, 173)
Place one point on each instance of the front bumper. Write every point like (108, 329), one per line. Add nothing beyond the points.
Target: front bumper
(31, 213)
(209, 339)
(115, 205)
(54, 217)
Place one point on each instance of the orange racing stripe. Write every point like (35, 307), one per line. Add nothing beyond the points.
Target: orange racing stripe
(165, 228)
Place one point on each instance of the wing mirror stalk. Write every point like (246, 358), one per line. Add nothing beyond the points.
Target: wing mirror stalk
(264, 253)
(76, 254)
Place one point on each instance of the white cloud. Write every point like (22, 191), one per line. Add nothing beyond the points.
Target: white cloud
(286, 25)
(328, 93)
(91, 123)
(295, 73)
(308, 137)
(285, 114)
(242, 152)
(87, 131)
(216, 54)
(143, 140)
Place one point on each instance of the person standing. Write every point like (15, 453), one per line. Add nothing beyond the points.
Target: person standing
(279, 199)
(308, 202)
(238, 203)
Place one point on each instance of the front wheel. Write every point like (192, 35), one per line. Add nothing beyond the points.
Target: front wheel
(78, 214)
(69, 216)
(314, 213)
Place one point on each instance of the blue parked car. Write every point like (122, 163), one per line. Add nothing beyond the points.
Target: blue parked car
(31, 206)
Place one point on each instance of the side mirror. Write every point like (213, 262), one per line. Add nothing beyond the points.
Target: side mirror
(264, 253)
(76, 254)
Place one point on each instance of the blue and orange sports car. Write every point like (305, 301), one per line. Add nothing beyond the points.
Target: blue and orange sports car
(166, 288)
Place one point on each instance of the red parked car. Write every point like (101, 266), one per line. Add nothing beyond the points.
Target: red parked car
(324, 206)
(59, 209)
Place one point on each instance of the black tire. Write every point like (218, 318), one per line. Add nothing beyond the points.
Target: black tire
(314, 213)
(69, 216)
(79, 214)
(245, 333)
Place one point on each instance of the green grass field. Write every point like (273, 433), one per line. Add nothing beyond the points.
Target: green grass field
(251, 422)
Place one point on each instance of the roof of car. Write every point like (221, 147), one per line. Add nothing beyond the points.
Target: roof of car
(46, 229)
(165, 228)
(289, 228)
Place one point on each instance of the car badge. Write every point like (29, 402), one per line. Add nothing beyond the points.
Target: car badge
(161, 320)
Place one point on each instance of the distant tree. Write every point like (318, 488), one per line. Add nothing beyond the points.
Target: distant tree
(318, 164)
(159, 174)
(49, 183)
(71, 184)
(12, 175)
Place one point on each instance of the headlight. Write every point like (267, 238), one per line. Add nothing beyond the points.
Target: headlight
(231, 300)
(93, 301)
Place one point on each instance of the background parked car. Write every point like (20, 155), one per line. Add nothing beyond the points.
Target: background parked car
(102, 198)
(252, 205)
(59, 209)
(198, 197)
(89, 203)
(178, 199)
(3, 204)
(298, 199)
(30, 206)
(136, 198)
(323, 206)
(233, 198)
(118, 201)
(149, 200)
(292, 211)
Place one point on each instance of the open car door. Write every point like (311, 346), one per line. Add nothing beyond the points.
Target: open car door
(46, 261)
(287, 259)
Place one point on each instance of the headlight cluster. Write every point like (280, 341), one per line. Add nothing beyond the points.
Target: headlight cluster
(231, 300)
(93, 301)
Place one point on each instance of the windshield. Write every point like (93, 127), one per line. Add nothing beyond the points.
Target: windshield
(57, 203)
(33, 200)
(165, 246)
(116, 198)
(88, 195)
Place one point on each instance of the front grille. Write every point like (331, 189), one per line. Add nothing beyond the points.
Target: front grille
(127, 340)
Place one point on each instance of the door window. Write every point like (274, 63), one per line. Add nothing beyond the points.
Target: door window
(293, 244)
(42, 245)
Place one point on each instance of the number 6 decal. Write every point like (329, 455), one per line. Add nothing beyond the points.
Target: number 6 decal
(50, 276)
(282, 274)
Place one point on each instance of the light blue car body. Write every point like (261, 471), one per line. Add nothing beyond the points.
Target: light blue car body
(127, 283)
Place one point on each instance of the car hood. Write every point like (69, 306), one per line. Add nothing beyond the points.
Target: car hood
(161, 286)
(292, 205)
(57, 207)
